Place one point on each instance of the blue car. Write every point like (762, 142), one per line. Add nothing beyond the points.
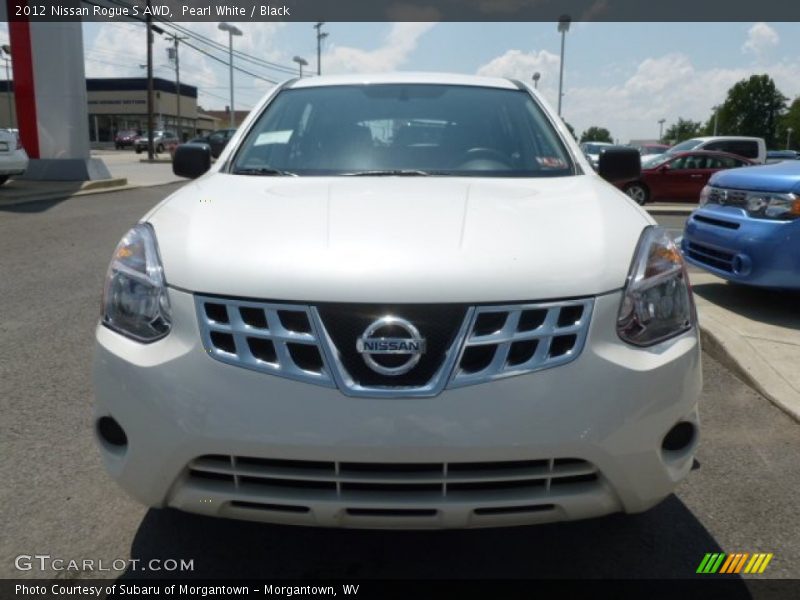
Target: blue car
(747, 228)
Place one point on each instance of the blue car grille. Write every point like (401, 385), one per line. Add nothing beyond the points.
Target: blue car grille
(718, 259)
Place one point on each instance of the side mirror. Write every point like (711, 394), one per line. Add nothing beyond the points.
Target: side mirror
(191, 160)
(620, 164)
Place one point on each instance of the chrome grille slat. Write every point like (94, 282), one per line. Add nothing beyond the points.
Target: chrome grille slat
(240, 330)
(262, 343)
(544, 334)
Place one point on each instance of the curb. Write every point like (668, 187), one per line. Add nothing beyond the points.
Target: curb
(734, 352)
(88, 191)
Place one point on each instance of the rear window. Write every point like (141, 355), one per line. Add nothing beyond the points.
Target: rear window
(745, 148)
(435, 129)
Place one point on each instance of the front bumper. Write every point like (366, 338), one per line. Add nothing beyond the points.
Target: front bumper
(14, 163)
(727, 242)
(607, 412)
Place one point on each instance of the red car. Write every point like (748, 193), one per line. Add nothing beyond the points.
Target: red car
(679, 176)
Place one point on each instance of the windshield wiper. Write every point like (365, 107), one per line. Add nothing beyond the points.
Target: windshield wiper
(262, 171)
(384, 172)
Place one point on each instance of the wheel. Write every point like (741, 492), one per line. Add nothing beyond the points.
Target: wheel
(3, 179)
(638, 191)
(138, 150)
(160, 149)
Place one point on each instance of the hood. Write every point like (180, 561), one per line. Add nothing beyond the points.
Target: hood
(782, 177)
(397, 239)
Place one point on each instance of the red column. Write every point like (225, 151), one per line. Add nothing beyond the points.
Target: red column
(24, 92)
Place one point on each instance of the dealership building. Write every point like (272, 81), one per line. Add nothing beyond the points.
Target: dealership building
(116, 104)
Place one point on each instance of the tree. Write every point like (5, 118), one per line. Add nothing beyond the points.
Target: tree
(682, 130)
(596, 134)
(571, 130)
(790, 120)
(753, 107)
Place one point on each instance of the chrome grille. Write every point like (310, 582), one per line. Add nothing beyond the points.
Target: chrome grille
(360, 482)
(294, 341)
(521, 338)
(728, 197)
(280, 339)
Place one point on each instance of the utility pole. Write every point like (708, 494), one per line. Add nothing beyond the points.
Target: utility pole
(563, 28)
(232, 31)
(149, 24)
(321, 35)
(661, 129)
(176, 57)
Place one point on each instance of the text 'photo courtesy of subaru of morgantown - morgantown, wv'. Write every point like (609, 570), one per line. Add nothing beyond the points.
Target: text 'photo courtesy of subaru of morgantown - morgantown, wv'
(385, 305)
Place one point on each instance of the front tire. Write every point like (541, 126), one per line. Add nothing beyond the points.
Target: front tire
(638, 192)
(138, 150)
(160, 149)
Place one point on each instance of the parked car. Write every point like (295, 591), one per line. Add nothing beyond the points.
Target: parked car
(13, 158)
(747, 228)
(593, 150)
(679, 176)
(217, 140)
(161, 139)
(339, 325)
(774, 156)
(125, 138)
(752, 148)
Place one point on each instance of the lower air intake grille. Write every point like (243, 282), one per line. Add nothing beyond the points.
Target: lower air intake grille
(719, 259)
(296, 480)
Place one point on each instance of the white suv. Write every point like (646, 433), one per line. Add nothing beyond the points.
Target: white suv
(400, 301)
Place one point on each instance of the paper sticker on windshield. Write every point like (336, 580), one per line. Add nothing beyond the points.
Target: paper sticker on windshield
(273, 137)
(551, 162)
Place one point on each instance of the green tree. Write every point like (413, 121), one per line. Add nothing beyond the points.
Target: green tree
(682, 130)
(754, 107)
(789, 120)
(597, 134)
(571, 130)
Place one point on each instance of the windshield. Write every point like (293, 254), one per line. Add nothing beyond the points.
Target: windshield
(404, 129)
(684, 146)
(655, 161)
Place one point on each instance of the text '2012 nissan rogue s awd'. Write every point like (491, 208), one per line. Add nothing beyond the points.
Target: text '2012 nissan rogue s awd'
(400, 301)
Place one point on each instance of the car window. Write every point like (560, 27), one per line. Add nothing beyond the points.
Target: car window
(443, 129)
(678, 163)
(217, 137)
(745, 148)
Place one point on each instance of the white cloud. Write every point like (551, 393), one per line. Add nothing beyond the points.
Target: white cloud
(760, 39)
(400, 42)
(668, 87)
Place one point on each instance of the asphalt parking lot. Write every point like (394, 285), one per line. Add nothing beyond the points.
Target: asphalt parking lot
(58, 500)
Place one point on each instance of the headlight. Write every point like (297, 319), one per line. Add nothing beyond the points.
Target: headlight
(773, 206)
(657, 302)
(135, 300)
(704, 195)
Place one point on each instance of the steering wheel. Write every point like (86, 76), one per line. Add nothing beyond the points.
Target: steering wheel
(484, 154)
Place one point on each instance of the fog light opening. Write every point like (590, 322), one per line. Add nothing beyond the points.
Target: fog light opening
(111, 432)
(679, 437)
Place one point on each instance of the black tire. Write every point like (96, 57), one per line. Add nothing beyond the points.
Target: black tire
(3, 179)
(160, 149)
(638, 192)
(138, 150)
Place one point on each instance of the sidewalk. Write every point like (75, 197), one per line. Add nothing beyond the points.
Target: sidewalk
(755, 333)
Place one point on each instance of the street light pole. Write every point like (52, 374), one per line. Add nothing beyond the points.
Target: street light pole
(321, 35)
(232, 31)
(176, 39)
(301, 62)
(788, 136)
(661, 129)
(716, 118)
(563, 28)
(536, 77)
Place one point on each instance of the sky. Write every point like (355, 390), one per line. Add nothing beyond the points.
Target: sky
(621, 76)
